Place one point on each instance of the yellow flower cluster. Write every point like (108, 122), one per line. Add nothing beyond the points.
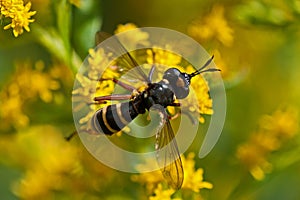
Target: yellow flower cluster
(163, 57)
(213, 31)
(273, 131)
(193, 179)
(125, 27)
(18, 14)
(214, 25)
(149, 179)
(89, 80)
(89, 84)
(46, 158)
(139, 38)
(201, 90)
(161, 194)
(25, 85)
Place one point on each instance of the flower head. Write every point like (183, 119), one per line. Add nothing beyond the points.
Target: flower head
(193, 179)
(19, 15)
(98, 66)
(25, 85)
(272, 132)
(47, 160)
(214, 25)
(163, 57)
(204, 102)
(125, 27)
(161, 194)
(139, 38)
(149, 179)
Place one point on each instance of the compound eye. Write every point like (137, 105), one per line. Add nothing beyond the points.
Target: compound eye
(178, 81)
(181, 82)
(171, 74)
(181, 92)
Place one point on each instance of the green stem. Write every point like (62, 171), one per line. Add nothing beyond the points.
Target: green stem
(52, 41)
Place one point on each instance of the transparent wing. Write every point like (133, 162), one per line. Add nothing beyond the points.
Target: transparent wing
(168, 156)
(128, 62)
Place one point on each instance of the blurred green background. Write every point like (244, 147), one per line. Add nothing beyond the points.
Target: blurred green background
(256, 43)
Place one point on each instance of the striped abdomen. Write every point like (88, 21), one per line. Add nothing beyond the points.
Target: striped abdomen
(113, 118)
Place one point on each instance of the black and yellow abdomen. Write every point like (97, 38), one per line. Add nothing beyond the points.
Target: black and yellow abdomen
(113, 118)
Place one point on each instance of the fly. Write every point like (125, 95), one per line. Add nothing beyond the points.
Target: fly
(174, 85)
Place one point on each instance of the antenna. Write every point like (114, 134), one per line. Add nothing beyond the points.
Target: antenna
(202, 69)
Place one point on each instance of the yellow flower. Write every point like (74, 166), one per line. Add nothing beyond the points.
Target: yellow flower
(50, 166)
(26, 84)
(62, 72)
(193, 179)
(149, 179)
(201, 90)
(283, 123)
(86, 90)
(47, 160)
(38, 82)
(254, 158)
(97, 63)
(11, 111)
(163, 57)
(139, 38)
(272, 132)
(161, 194)
(212, 26)
(18, 13)
(125, 27)
(90, 86)
(43, 84)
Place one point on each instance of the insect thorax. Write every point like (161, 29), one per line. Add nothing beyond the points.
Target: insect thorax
(158, 93)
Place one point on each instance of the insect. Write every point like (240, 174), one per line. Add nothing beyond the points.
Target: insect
(159, 95)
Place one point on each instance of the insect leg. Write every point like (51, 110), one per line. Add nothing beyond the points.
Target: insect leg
(113, 97)
(175, 104)
(174, 116)
(151, 73)
(193, 120)
(182, 112)
(72, 135)
(152, 68)
(120, 83)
